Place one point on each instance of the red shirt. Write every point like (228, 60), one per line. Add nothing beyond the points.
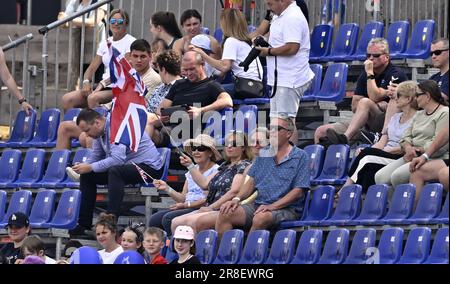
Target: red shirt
(158, 259)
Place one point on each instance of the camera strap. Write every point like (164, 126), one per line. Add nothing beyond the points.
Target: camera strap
(274, 88)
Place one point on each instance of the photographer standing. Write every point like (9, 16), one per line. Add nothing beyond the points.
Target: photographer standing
(288, 59)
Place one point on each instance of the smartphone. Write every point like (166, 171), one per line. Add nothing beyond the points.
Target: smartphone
(170, 110)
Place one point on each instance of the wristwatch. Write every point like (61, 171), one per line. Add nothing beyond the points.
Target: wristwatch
(22, 101)
(370, 77)
(426, 156)
(269, 51)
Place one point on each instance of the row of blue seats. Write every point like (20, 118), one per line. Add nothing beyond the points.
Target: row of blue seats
(375, 211)
(309, 250)
(42, 214)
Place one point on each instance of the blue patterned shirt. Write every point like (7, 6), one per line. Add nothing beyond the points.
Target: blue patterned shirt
(157, 96)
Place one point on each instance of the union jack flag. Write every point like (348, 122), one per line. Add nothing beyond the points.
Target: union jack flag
(142, 173)
(129, 113)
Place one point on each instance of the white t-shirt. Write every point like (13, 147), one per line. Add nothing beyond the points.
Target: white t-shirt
(49, 260)
(195, 192)
(237, 51)
(123, 46)
(290, 27)
(110, 257)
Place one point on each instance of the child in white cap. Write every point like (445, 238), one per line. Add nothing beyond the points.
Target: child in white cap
(204, 42)
(184, 245)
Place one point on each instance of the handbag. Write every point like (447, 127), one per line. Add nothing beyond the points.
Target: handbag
(248, 88)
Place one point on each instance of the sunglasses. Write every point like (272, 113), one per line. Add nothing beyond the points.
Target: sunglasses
(277, 128)
(232, 144)
(374, 55)
(438, 52)
(114, 21)
(259, 143)
(420, 94)
(201, 148)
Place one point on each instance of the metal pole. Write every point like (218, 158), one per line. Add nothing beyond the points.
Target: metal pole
(94, 41)
(83, 31)
(57, 66)
(121, 4)
(29, 3)
(45, 69)
(13, 71)
(131, 17)
(25, 70)
(69, 61)
(143, 18)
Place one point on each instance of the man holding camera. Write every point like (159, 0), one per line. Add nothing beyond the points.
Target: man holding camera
(287, 59)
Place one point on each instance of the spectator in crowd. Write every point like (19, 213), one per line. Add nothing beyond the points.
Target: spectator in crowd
(425, 126)
(158, 46)
(8, 80)
(195, 89)
(120, 40)
(236, 47)
(439, 57)
(154, 241)
(163, 25)
(191, 22)
(18, 228)
(203, 150)
(281, 194)
(110, 164)
(105, 231)
(184, 246)
(387, 150)
(203, 42)
(424, 169)
(132, 239)
(259, 139)
(223, 186)
(371, 102)
(288, 56)
(33, 245)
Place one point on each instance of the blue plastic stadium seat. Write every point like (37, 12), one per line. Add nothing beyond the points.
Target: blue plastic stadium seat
(429, 204)
(371, 30)
(23, 129)
(400, 207)
(205, 30)
(362, 240)
(333, 86)
(206, 245)
(336, 247)
(316, 154)
(3, 198)
(390, 246)
(256, 247)
(314, 89)
(421, 39)
(347, 208)
(309, 247)
(246, 118)
(318, 207)
(417, 246)
(251, 29)
(218, 35)
(443, 217)
(230, 247)
(56, 170)
(68, 210)
(47, 130)
(218, 127)
(32, 169)
(72, 115)
(20, 202)
(171, 254)
(374, 206)
(81, 156)
(10, 164)
(42, 210)
(129, 257)
(321, 41)
(397, 38)
(283, 247)
(101, 110)
(344, 44)
(439, 251)
(335, 166)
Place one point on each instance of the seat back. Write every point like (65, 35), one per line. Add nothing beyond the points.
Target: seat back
(444, 212)
(256, 247)
(10, 163)
(101, 110)
(316, 154)
(283, 247)
(397, 37)
(81, 155)
(72, 114)
(205, 30)
(23, 129)
(336, 247)
(402, 202)
(345, 41)
(417, 246)
(430, 201)
(321, 40)
(56, 169)
(230, 248)
(333, 86)
(314, 89)
(371, 30)
(336, 162)
(246, 118)
(390, 246)
(421, 39)
(20, 202)
(375, 203)
(309, 247)
(48, 126)
(3, 198)
(219, 124)
(171, 254)
(68, 210)
(206, 246)
(218, 35)
(33, 166)
(362, 240)
(439, 251)
(349, 203)
(319, 203)
(43, 207)
(165, 153)
(251, 29)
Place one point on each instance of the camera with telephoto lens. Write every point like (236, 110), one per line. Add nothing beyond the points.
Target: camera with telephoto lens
(260, 42)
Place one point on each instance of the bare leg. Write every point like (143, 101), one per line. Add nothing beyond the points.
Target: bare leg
(443, 177)
(74, 99)
(262, 221)
(428, 172)
(206, 221)
(364, 110)
(96, 98)
(66, 131)
(321, 131)
(226, 222)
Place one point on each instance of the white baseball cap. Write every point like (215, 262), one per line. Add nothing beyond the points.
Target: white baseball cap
(184, 233)
(202, 41)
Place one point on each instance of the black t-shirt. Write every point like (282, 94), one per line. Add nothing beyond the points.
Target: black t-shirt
(300, 3)
(442, 81)
(10, 253)
(192, 260)
(382, 80)
(204, 92)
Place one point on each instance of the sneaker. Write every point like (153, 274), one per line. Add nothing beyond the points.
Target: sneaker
(72, 174)
(336, 138)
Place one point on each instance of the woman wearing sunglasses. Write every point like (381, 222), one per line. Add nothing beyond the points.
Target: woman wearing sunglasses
(203, 150)
(121, 40)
